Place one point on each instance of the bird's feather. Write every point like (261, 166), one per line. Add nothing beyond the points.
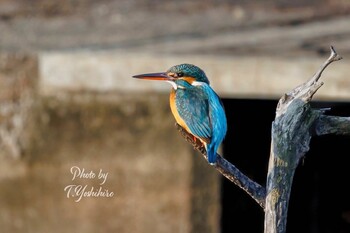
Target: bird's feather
(193, 107)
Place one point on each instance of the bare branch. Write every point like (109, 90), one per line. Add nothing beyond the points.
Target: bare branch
(255, 190)
(332, 58)
(332, 125)
(294, 125)
(306, 90)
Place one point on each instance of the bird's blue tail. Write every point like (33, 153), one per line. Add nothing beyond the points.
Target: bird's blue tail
(211, 155)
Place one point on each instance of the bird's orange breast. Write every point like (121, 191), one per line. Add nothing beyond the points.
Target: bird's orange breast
(173, 108)
(179, 120)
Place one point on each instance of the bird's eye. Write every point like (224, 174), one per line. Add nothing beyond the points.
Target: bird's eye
(180, 74)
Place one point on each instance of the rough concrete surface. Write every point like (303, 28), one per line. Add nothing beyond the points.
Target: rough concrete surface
(18, 91)
(266, 77)
(217, 27)
(134, 139)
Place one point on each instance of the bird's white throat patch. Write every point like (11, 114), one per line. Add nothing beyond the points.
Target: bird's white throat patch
(195, 83)
(176, 86)
(173, 84)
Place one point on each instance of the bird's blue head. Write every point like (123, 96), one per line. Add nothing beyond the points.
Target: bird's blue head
(184, 72)
(188, 72)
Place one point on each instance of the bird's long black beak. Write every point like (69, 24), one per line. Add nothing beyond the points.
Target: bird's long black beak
(154, 76)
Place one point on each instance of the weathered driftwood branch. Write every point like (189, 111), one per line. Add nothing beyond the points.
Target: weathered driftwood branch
(295, 123)
(256, 191)
(332, 125)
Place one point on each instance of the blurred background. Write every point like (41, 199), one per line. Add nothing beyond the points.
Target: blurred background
(67, 100)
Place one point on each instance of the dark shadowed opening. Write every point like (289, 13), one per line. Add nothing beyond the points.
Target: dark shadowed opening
(320, 200)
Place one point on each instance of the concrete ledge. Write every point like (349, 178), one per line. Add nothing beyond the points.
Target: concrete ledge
(153, 172)
(231, 77)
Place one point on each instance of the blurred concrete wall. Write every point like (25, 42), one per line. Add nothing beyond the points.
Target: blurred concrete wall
(64, 112)
(155, 182)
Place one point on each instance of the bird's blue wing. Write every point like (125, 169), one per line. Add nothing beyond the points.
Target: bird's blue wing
(193, 107)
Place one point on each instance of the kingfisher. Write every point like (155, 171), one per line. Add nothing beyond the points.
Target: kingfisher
(195, 105)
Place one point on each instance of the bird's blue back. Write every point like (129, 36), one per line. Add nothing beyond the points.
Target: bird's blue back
(202, 111)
